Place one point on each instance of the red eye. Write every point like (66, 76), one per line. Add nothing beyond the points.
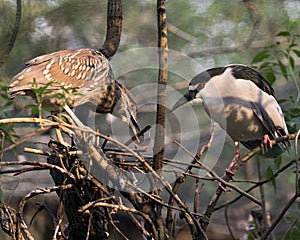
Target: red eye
(200, 86)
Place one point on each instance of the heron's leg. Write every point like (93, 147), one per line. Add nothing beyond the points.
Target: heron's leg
(234, 160)
(229, 171)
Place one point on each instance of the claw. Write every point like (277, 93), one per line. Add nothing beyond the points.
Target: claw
(266, 144)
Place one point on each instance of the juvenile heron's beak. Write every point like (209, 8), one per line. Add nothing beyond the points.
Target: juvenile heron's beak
(133, 125)
(143, 138)
(189, 96)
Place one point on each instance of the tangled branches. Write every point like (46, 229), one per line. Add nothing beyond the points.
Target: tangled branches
(95, 182)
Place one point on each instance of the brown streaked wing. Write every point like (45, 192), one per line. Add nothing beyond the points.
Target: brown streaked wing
(69, 68)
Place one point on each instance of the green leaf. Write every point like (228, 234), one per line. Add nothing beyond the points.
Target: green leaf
(297, 52)
(291, 62)
(267, 65)
(46, 108)
(30, 106)
(283, 69)
(269, 173)
(34, 111)
(288, 219)
(280, 101)
(4, 96)
(270, 176)
(277, 162)
(250, 237)
(261, 56)
(283, 33)
(9, 103)
(270, 76)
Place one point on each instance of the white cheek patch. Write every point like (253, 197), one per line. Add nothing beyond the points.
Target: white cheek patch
(192, 87)
(196, 101)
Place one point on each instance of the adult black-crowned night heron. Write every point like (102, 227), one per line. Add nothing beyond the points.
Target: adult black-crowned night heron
(242, 102)
(85, 70)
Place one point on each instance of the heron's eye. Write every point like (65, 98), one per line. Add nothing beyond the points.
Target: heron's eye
(200, 86)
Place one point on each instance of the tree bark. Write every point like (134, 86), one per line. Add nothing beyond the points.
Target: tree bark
(114, 28)
(158, 148)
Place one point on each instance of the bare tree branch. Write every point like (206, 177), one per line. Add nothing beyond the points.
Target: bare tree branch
(113, 28)
(158, 147)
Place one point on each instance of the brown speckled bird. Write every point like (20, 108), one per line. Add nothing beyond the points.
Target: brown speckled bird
(88, 72)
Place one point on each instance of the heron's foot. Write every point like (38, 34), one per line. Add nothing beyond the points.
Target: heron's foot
(266, 144)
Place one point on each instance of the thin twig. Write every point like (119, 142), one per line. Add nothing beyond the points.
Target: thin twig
(22, 225)
(140, 133)
(228, 224)
(116, 227)
(181, 179)
(198, 189)
(276, 174)
(43, 122)
(297, 163)
(25, 138)
(262, 196)
(221, 180)
(120, 207)
(46, 153)
(40, 164)
(189, 216)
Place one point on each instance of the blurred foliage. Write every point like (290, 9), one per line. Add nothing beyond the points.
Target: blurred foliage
(6, 131)
(279, 60)
(50, 25)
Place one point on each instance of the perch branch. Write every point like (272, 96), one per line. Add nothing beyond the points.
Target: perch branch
(256, 185)
(219, 191)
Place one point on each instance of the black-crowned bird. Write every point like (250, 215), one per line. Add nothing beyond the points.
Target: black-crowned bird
(84, 77)
(242, 102)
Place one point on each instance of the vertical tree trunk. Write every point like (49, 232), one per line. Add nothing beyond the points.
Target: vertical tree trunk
(158, 148)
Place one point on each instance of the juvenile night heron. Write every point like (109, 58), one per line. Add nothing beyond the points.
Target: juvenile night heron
(242, 102)
(88, 72)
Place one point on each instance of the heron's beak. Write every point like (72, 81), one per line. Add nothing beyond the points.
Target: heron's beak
(140, 137)
(189, 96)
(133, 125)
